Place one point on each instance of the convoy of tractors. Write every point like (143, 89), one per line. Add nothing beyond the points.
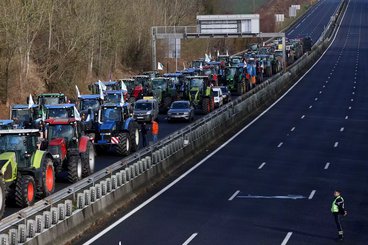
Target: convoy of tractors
(50, 138)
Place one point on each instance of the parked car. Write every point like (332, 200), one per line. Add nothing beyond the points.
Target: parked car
(145, 110)
(180, 110)
(226, 94)
(217, 94)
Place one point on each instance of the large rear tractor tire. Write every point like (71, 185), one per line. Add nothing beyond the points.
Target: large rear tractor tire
(25, 191)
(47, 183)
(123, 148)
(74, 169)
(134, 137)
(88, 160)
(2, 196)
(206, 106)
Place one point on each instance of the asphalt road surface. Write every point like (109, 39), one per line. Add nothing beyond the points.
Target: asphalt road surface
(273, 183)
(314, 21)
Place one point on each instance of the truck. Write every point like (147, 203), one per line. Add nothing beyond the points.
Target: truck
(116, 130)
(26, 172)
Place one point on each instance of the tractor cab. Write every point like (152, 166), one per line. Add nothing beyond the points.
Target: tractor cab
(61, 111)
(51, 99)
(89, 105)
(61, 133)
(151, 74)
(26, 116)
(17, 147)
(116, 96)
(106, 86)
(113, 113)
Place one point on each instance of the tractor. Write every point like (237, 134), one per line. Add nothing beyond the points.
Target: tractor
(164, 90)
(26, 116)
(71, 150)
(142, 87)
(234, 81)
(26, 172)
(50, 99)
(116, 130)
(105, 86)
(200, 94)
(89, 106)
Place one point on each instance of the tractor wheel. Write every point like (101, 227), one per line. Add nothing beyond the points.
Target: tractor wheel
(25, 191)
(47, 183)
(74, 169)
(134, 137)
(206, 105)
(123, 148)
(167, 103)
(88, 160)
(2, 196)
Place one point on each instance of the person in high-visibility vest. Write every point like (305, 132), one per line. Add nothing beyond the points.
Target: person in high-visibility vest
(337, 209)
(154, 131)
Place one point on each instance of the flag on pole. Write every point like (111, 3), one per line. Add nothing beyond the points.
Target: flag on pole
(201, 67)
(76, 114)
(123, 86)
(207, 58)
(77, 89)
(184, 66)
(30, 101)
(101, 89)
(160, 66)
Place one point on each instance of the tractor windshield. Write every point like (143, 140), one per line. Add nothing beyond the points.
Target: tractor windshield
(65, 131)
(113, 98)
(110, 115)
(198, 83)
(89, 104)
(49, 101)
(20, 145)
(159, 84)
(58, 113)
(143, 106)
(20, 116)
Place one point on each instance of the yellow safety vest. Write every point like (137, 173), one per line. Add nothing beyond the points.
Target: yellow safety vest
(334, 207)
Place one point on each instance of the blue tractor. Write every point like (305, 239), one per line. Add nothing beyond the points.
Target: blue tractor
(26, 116)
(116, 130)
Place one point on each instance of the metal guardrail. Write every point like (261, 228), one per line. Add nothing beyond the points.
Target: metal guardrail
(71, 191)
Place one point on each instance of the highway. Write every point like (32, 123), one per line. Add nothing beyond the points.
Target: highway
(311, 26)
(273, 182)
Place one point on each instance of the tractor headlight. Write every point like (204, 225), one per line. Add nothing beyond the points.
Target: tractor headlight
(148, 112)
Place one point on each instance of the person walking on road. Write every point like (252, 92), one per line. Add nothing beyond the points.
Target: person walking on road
(144, 134)
(154, 131)
(337, 209)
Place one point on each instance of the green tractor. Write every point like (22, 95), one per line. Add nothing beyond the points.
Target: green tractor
(50, 99)
(234, 81)
(164, 90)
(26, 172)
(200, 93)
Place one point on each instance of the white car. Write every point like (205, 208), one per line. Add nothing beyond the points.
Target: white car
(217, 94)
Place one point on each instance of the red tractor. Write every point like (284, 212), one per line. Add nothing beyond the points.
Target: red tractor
(72, 151)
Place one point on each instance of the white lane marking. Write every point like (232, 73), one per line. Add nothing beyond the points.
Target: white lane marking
(320, 92)
(312, 195)
(346, 117)
(234, 195)
(324, 86)
(310, 107)
(281, 143)
(327, 165)
(303, 117)
(352, 100)
(349, 107)
(342, 129)
(292, 129)
(353, 93)
(315, 99)
(291, 32)
(286, 239)
(190, 238)
(107, 229)
(293, 197)
(336, 144)
(262, 165)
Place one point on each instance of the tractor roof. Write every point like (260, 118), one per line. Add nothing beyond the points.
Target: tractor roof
(115, 91)
(58, 106)
(89, 96)
(127, 79)
(177, 74)
(19, 131)
(114, 105)
(58, 121)
(107, 82)
(141, 76)
(197, 77)
(52, 95)
(22, 106)
(6, 121)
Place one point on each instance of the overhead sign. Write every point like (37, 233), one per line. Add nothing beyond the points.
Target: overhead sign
(280, 17)
(174, 48)
(228, 24)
